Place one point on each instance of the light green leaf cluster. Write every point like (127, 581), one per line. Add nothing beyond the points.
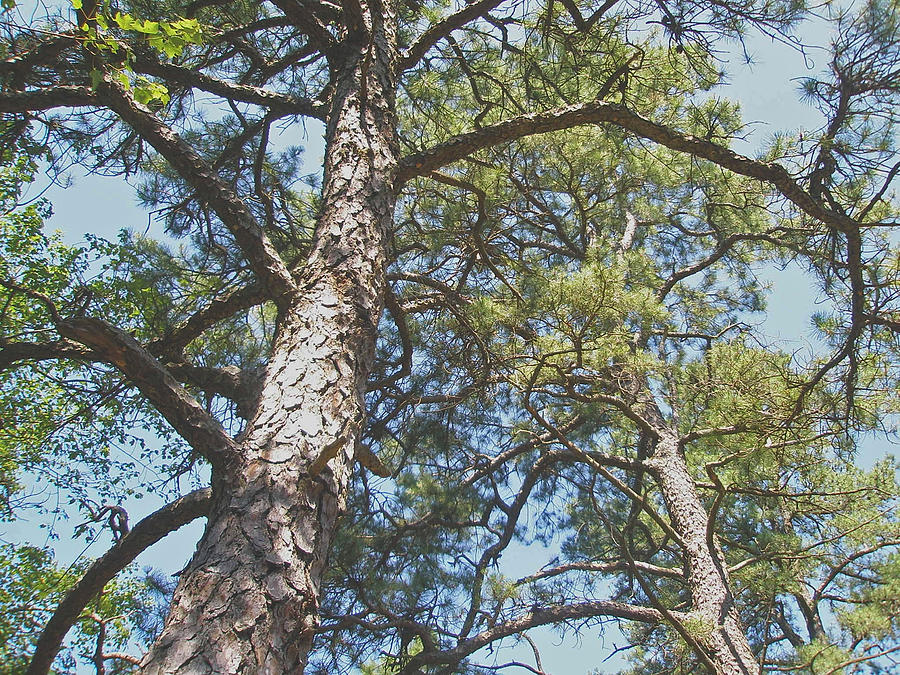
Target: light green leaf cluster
(588, 317)
(167, 37)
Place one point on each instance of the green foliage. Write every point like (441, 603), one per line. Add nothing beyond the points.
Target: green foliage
(31, 584)
(168, 38)
(74, 425)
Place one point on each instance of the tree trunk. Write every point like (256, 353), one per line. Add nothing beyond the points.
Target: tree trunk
(718, 631)
(248, 601)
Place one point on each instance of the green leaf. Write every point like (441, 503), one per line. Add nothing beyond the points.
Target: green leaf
(123, 79)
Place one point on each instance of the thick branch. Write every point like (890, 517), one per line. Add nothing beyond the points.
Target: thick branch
(255, 245)
(13, 352)
(181, 410)
(540, 617)
(146, 533)
(597, 112)
(354, 19)
(44, 99)
(442, 29)
(43, 53)
(277, 103)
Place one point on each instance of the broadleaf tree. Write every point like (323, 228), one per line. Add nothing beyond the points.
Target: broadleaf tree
(519, 306)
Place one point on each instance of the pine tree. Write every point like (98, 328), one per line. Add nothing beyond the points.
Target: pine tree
(543, 199)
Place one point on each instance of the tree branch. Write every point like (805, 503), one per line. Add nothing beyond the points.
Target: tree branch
(603, 568)
(12, 352)
(277, 103)
(179, 408)
(44, 99)
(231, 382)
(442, 29)
(255, 245)
(539, 617)
(597, 112)
(173, 342)
(146, 533)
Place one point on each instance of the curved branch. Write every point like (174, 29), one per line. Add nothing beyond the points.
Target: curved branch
(603, 568)
(504, 536)
(839, 568)
(146, 533)
(303, 15)
(442, 29)
(722, 249)
(596, 112)
(539, 617)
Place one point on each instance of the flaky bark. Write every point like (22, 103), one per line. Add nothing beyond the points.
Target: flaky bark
(248, 601)
(714, 623)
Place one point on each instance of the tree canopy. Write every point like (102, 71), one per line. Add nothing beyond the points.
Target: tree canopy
(499, 364)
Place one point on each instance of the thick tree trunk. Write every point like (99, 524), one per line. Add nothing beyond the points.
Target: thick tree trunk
(718, 630)
(248, 601)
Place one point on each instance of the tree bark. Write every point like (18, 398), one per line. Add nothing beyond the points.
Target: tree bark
(248, 600)
(717, 628)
